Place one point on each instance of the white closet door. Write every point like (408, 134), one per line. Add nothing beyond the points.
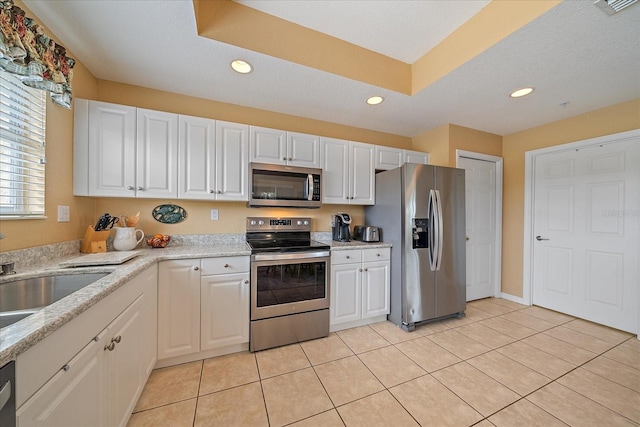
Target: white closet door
(586, 232)
(480, 200)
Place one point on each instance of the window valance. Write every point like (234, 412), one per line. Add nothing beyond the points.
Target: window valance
(36, 59)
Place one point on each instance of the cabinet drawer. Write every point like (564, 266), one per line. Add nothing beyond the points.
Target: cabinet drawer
(376, 254)
(225, 265)
(346, 257)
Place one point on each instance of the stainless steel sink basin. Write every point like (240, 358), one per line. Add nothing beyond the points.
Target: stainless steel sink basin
(23, 297)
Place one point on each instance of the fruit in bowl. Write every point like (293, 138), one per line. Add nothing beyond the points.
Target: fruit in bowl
(158, 241)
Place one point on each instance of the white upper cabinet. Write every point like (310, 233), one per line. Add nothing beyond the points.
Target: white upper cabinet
(347, 172)
(416, 157)
(122, 151)
(388, 157)
(284, 148)
(213, 159)
(303, 150)
(110, 148)
(232, 161)
(157, 154)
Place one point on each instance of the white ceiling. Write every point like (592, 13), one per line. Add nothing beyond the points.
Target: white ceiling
(574, 53)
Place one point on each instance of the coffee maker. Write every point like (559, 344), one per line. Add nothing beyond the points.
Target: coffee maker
(340, 224)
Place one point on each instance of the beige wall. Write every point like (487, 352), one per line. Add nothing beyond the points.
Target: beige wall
(443, 141)
(606, 121)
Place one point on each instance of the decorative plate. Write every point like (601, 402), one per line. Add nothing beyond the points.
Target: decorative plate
(169, 214)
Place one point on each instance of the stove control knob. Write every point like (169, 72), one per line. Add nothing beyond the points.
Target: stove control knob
(306, 222)
(253, 222)
(261, 222)
(299, 223)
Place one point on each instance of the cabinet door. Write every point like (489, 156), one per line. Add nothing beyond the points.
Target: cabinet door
(112, 150)
(416, 157)
(362, 174)
(197, 157)
(335, 170)
(157, 154)
(74, 396)
(225, 310)
(232, 161)
(178, 308)
(124, 367)
(375, 289)
(388, 158)
(303, 150)
(268, 145)
(346, 293)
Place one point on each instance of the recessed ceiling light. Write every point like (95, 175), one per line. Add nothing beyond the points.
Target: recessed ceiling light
(241, 66)
(521, 92)
(375, 100)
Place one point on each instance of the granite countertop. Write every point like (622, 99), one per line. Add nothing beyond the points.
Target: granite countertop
(354, 244)
(20, 336)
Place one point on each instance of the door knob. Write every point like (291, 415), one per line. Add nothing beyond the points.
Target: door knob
(540, 238)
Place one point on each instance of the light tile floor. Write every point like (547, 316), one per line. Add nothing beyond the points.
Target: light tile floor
(504, 364)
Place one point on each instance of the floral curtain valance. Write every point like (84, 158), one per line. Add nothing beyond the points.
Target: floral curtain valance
(32, 56)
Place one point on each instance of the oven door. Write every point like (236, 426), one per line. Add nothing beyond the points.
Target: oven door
(283, 284)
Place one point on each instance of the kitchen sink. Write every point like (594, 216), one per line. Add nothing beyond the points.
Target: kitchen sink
(23, 297)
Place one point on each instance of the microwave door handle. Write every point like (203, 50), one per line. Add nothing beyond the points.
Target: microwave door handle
(309, 187)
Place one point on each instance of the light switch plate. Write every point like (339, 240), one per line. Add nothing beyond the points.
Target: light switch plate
(63, 214)
(214, 214)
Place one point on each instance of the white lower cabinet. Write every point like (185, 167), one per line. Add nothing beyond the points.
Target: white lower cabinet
(203, 308)
(100, 384)
(178, 307)
(360, 287)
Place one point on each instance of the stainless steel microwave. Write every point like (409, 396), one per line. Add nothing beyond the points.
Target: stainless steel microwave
(284, 186)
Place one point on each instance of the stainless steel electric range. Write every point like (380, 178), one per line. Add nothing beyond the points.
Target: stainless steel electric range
(289, 282)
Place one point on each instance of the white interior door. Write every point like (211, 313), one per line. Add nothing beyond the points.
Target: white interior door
(480, 201)
(586, 232)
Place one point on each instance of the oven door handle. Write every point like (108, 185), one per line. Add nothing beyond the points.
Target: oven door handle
(290, 256)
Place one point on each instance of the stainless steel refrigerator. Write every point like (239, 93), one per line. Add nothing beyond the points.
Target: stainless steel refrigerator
(421, 212)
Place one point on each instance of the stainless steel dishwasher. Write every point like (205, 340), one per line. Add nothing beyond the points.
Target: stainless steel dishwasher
(8, 395)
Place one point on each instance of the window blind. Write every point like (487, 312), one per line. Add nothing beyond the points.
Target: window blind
(22, 148)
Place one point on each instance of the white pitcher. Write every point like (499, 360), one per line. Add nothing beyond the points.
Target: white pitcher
(126, 238)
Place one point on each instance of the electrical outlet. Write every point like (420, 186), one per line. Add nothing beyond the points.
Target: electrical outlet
(214, 214)
(63, 214)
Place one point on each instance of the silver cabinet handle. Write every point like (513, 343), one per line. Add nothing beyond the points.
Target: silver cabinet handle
(540, 238)
(140, 189)
(110, 346)
(130, 188)
(245, 282)
(211, 191)
(377, 254)
(290, 159)
(117, 339)
(360, 270)
(284, 158)
(348, 257)
(196, 268)
(226, 266)
(66, 367)
(366, 269)
(219, 191)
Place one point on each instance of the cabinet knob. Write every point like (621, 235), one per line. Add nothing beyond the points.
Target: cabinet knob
(284, 158)
(245, 282)
(377, 254)
(290, 159)
(348, 257)
(211, 191)
(140, 189)
(66, 367)
(110, 346)
(366, 269)
(360, 270)
(96, 339)
(196, 268)
(130, 188)
(219, 191)
(226, 266)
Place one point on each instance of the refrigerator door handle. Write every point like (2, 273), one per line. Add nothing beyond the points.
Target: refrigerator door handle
(433, 234)
(440, 230)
